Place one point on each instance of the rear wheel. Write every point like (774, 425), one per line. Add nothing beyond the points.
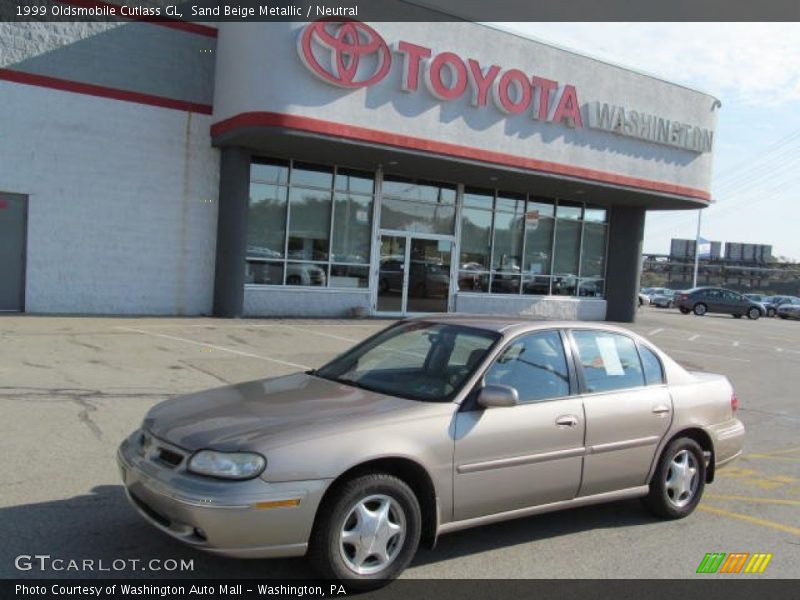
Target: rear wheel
(735, 316)
(684, 311)
(753, 313)
(679, 480)
(367, 531)
(700, 309)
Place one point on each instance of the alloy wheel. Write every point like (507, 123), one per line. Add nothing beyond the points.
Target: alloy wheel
(681, 480)
(372, 534)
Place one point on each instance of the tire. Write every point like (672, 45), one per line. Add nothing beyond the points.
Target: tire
(771, 312)
(334, 558)
(677, 499)
(684, 311)
(753, 313)
(294, 280)
(783, 316)
(700, 309)
(737, 316)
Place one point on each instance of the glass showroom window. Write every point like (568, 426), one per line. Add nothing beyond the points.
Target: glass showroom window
(593, 252)
(309, 225)
(476, 241)
(539, 228)
(537, 247)
(509, 217)
(424, 207)
(567, 251)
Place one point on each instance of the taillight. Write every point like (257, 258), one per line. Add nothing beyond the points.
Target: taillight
(734, 403)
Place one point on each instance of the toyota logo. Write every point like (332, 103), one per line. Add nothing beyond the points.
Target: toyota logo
(349, 54)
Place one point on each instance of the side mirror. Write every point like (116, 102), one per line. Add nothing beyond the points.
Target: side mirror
(494, 395)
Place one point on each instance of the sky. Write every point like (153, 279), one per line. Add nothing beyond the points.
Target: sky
(754, 69)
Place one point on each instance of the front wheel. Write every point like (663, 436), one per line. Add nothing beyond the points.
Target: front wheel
(753, 313)
(679, 480)
(367, 531)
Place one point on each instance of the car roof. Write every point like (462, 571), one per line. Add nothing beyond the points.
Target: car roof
(511, 324)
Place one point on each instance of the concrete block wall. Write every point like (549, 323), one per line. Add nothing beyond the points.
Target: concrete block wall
(122, 195)
(122, 202)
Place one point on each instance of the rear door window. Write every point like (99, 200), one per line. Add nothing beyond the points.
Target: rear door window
(653, 372)
(609, 361)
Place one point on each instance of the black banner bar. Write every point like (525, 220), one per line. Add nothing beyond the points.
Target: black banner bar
(730, 588)
(211, 11)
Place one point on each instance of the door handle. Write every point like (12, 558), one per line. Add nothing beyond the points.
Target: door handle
(661, 409)
(567, 421)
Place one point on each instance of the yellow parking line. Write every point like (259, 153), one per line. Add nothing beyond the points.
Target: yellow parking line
(784, 451)
(749, 519)
(771, 457)
(754, 499)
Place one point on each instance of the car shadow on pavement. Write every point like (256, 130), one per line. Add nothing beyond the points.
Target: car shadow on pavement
(101, 526)
(531, 529)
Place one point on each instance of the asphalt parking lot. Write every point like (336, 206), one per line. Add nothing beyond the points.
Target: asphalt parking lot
(72, 388)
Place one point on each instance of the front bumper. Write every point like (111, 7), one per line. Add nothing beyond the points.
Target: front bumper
(245, 519)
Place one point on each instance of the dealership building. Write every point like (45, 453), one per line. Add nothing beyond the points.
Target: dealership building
(331, 169)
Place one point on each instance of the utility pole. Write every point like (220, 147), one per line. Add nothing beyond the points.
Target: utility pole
(697, 247)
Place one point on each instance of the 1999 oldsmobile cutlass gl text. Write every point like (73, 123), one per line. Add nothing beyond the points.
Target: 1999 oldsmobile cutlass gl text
(244, 12)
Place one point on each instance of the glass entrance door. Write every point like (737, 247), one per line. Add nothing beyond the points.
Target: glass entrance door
(392, 274)
(429, 276)
(414, 274)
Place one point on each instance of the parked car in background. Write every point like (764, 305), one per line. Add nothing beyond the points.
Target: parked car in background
(789, 309)
(778, 300)
(766, 301)
(430, 426)
(643, 299)
(664, 299)
(702, 300)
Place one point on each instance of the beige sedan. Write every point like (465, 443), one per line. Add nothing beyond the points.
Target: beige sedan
(430, 426)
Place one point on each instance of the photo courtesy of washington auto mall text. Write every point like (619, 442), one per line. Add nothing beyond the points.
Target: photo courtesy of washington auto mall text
(168, 590)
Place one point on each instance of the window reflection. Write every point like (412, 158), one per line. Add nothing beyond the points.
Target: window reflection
(292, 212)
(538, 247)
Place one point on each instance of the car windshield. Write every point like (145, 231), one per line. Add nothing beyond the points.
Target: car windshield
(415, 360)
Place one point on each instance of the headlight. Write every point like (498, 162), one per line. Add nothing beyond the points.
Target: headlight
(228, 465)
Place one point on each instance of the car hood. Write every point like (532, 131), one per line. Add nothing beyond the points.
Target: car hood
(242, 416)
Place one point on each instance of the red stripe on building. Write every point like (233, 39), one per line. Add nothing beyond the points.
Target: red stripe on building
(195, 28)
(363, 134)
(89, 89)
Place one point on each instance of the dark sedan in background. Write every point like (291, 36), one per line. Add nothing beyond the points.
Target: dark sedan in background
(702, 300)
